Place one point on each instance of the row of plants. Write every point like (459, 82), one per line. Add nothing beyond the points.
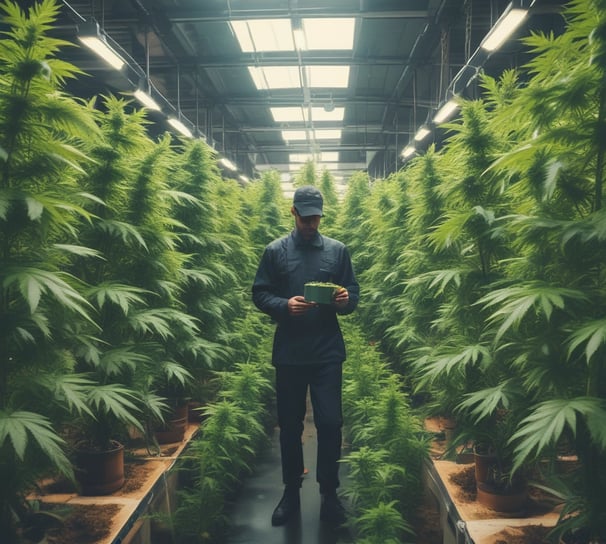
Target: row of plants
(236, 427)
(387, 446)
(125, 265)
(482, 268)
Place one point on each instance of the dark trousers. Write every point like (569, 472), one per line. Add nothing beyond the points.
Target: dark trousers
(324, 383)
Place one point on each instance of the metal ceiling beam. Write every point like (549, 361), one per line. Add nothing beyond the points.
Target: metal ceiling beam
(244, 60)
(184, 16)
(304, 148)
(286, 101)
(287, 167)
(373, 129)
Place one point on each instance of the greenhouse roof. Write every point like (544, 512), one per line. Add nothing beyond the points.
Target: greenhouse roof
(348, 83)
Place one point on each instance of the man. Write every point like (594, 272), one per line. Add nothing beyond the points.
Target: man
(308, 349)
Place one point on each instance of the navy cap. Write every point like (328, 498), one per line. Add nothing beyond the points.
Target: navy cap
(308, 201)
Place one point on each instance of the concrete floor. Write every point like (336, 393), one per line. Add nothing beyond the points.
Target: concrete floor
(251, 517)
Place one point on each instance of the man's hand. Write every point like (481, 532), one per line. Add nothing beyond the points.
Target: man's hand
(298, 305)
(341, 298)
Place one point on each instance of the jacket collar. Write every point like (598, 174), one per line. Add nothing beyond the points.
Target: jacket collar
(316, 242)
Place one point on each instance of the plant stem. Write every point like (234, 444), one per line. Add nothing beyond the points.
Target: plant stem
(600, 156)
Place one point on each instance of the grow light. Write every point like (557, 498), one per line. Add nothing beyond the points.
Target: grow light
(504, 28)
(408, 151)
(179, 126)
(445, 111)
(146, 100)
(228, 164)
(91, 35)
(422, 133)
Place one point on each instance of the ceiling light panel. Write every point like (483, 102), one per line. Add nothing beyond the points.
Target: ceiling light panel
(329, 33)
(320, 114)
(263, 35)
(328, 76)
(329, 156)
(292, 135)
(275, 77)
(300, 157)
(328, 134)
(288, 115)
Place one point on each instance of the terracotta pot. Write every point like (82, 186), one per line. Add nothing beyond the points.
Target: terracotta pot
(175, 427)
(194, 414)
(485, 460)
(502, 500)
(100, 472)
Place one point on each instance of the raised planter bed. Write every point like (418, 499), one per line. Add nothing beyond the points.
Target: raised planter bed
(122, 517)
(465, 520)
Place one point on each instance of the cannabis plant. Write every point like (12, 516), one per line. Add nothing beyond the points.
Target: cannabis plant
(42, 136)
(549, 316)
(206, 281)
(267, 211)
(330, 209)
(387, 443)
(121, 306)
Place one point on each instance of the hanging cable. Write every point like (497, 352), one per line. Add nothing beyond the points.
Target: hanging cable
(468, 27)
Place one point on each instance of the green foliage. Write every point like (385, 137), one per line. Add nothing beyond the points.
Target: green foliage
(231, 435)
(388, 444)
(43, 140)
(306, 175)
(495, 289)
(267, 208)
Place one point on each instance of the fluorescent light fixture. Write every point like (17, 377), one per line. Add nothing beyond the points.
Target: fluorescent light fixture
(328, 134)
(290, 135)
(228, 164)
(329, 33)
(408, 151)
(503, 28)
(90, 35)
(288, 114)
(422, 133)
(446, 111)
(146, 100)
(179, 126)
(264, 35)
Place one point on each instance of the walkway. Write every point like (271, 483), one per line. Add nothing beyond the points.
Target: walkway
(251, 517)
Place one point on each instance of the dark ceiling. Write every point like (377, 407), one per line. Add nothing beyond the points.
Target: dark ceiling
(406, 54)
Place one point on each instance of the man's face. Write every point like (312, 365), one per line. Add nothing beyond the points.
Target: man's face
(308, 225)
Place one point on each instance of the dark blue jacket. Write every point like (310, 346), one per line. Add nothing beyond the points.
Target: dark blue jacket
(286, 266)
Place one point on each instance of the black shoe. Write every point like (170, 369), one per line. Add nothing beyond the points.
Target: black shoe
(289, 505)
(331, 510)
